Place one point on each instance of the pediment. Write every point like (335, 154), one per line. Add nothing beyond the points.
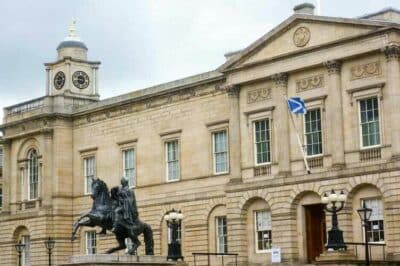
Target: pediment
(299, 34)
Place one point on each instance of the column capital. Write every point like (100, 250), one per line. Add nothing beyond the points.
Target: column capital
(280, 79)
(233, 90)
(333, 66)
(392, 51)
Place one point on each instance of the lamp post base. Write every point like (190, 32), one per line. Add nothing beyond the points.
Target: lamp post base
(335, 240)
(174, 252)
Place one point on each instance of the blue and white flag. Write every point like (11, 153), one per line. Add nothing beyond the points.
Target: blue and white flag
(296, 105)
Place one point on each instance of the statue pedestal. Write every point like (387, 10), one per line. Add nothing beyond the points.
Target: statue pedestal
(124, 260)
(338, 257)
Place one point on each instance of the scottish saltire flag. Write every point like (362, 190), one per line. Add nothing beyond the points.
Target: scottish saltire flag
(296, 105)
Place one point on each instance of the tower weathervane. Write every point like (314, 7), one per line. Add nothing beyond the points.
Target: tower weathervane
(72, 29)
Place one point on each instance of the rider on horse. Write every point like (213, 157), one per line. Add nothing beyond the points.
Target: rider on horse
(125, 212)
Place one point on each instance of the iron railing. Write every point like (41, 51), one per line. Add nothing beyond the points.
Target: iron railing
(371, 246)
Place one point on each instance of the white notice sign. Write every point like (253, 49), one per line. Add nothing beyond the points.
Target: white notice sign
(276, 255)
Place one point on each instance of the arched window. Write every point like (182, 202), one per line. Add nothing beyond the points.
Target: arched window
(33, 174)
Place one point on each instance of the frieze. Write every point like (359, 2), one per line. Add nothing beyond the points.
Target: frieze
(310, 83)
(258, 95)
(366, 70)
(152, 102)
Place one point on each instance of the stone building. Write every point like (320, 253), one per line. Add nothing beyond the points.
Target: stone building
(219, 146)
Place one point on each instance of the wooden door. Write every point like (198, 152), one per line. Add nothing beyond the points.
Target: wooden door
(315, 230)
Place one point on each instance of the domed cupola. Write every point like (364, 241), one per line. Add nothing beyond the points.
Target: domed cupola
(72, 46)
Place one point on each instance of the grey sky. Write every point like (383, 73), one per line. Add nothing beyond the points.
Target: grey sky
(140, 43)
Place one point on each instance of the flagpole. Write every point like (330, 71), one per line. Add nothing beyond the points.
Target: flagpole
(298, 138)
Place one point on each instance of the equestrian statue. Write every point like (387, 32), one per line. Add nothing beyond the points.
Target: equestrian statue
(116, 211)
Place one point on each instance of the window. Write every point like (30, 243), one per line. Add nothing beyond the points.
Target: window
(33, 173)
(179, 238)
(262, 141)
(90, 242)
(375, 229)
(220, 152)
(263, 230)
(369, 122)
(312, 129)
(172, 160)
(89, 165)
(25, 256)
(221, 234)
(129, 166)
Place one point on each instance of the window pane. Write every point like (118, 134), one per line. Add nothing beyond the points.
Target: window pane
(262, 141)
(313, 134)
(263, 230)
(129, 166)
(89, 168)
(375, 228)
(220, 152)
(222, 238)
(369, 122)
(172, 160)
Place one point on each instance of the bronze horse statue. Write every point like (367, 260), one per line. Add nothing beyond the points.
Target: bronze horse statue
(102, 214)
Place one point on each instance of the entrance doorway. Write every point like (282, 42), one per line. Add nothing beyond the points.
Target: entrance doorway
(315, 230)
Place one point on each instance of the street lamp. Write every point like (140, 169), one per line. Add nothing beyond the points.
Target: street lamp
(174, 219)
(49, 244)
(335, 235)
(365, 214)
(20, 248)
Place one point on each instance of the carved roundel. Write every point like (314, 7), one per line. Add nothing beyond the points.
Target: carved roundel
(80, 80)
(301, 36)
(59, 80)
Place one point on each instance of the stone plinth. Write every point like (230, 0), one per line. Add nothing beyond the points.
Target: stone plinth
(339, 257)
(124, 260)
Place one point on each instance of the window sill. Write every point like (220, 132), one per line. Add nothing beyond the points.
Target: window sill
(263, 251)
(172, 181)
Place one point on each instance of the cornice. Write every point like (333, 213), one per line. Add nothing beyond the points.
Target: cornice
(311, 49)
(68, 58)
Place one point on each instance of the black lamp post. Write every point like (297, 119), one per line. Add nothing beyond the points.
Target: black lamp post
(365, 214)
(20, 248)
(49, 244)
(335, 235)
(174, 219)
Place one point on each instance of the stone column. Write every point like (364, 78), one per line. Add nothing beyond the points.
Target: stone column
(6, 175)
(282, 123)
(392, 53)
(235, 161)
(335, 113)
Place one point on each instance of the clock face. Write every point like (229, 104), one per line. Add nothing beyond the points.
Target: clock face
(80, 80)
(59, 80)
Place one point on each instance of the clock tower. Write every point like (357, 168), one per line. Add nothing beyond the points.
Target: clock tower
(72, 74)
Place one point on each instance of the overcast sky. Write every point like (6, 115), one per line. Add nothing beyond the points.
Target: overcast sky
(139, 42)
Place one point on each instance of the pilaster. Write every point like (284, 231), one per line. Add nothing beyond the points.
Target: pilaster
(392, 53)
(234, 132)
(6, 175)
(282, 122)
(335, 113)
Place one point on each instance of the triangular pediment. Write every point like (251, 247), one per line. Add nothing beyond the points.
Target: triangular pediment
(299, 33)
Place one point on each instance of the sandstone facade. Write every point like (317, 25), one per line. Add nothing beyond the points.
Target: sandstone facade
(332, 63)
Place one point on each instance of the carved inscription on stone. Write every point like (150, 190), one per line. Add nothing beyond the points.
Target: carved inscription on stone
(310, 83)
(258, 95)
(366, 70)
(301, 36)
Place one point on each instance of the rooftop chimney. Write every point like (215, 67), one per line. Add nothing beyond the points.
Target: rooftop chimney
(305, 8)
